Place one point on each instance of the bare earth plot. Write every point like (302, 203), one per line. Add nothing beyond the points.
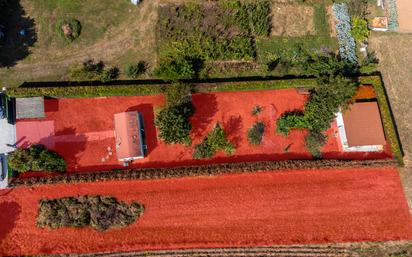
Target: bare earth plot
(290, 207)
(404, 15)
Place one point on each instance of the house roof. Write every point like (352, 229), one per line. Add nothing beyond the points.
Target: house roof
(30, 108)
(128, 135)
(363, 125)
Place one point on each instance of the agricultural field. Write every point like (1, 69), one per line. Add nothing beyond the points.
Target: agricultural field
(286, 207)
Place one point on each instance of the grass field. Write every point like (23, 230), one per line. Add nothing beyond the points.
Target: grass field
(120, 33)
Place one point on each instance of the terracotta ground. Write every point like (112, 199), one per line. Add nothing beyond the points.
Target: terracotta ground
(82, 129)
(234, 210)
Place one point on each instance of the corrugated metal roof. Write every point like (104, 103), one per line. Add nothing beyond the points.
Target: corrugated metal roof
(363, 125)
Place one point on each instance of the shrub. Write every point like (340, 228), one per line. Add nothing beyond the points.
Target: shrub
(314, 142)
(36, 158)
(290, 120)
(99, 212)
(177, 93)
(360, 31)
(91, 70)
(175, 69)
(255, 133)
(256, 110)
(216, 140)
(69, 29)
(135, 70)
(347, 47)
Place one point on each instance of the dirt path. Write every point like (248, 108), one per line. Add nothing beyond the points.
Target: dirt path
(404, 15)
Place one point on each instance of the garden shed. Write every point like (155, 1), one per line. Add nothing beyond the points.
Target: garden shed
(30, 108)
(360, 127)
(128, 136)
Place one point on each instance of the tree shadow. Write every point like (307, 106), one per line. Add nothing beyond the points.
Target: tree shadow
(232, 128)
(150, 135)
(69, 144)
(9, 213)
(18, 33)
(206, 108)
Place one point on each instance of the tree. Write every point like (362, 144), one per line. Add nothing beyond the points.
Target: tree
(216, 140)
(36, 158)
(255, 133)
(314, 142)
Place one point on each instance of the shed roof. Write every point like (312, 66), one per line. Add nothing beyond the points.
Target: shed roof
(30, 107)
(128, 136)
(363, 125)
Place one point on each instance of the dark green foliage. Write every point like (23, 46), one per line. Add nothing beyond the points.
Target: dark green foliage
(99, 212)
(314, 142)
(216, 140)
(290, 120)
(255, 133)
(72, 26)
(135, 70)
(326, 99)
(256, 110)
(91, 70)
(36, 158)
(173, 121)
(327, 65)
(175, 69)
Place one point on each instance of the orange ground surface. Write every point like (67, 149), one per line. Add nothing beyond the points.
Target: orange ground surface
(289, 207)
(82, 129)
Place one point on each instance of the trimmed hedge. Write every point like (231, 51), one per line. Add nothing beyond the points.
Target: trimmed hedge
(143, 89)
(200, 170)
(387, 119)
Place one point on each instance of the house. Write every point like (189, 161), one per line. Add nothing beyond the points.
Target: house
(128, 136)
(360, 128)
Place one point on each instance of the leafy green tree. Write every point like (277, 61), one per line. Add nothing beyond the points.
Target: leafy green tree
(314, 142)
(290, 120)
(36, 158)
(216, 140)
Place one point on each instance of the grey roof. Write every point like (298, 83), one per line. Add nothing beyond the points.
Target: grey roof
(29, 108)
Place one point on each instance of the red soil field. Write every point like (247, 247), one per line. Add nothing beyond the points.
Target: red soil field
(288, 207)
(81, 129)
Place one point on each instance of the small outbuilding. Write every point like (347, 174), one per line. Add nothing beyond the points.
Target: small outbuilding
(129, 136)
(30, 108)
(360, 128)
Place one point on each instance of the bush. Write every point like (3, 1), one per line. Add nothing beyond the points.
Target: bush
(135, 70)
(256, 110)
(91, 70)
(255, 133)
(216, 140)
(360, 31)
(175, 69)
(99, 212)
(290, 120)
(177, 93)
(314, 142)
(69, 29)
(36, 158)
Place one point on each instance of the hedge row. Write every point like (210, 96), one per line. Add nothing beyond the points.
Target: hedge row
(143, 89)
(201, 170)
(387, 119)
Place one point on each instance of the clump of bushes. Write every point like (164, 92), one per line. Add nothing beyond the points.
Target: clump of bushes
(36, 158)
(69, 29)
(290, 120)
(216, 140)
(255, 133)
(135, 70)
(314, 142)
(99, 212)
(91, 70)
(175, 69)
(173, 121)
(360, 31)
